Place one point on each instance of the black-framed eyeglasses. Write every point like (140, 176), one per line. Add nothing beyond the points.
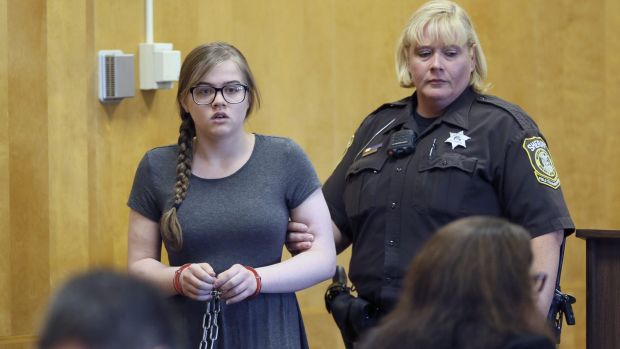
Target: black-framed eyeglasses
(538, 281)
(205, 94)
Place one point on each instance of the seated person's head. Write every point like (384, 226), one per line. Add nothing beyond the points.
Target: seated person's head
(479, 263)
(471, 281)
(108, 310)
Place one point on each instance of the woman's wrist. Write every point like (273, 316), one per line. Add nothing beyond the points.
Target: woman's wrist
(176, 280)
(259, 283)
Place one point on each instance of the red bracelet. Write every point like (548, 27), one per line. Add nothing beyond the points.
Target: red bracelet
(176, 281)
(259, 283)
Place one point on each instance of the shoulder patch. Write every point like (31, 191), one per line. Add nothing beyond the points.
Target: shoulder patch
(517, 113)
(540, 159)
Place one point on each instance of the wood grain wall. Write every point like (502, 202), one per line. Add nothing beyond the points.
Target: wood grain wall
(67, 161)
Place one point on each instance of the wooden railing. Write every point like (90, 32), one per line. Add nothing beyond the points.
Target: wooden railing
(602, 288)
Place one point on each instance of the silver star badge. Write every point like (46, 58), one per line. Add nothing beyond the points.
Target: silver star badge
(457, 138)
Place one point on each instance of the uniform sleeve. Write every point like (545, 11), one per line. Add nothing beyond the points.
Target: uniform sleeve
(142, 198)
(334, 187)
(530, 191)
(302, 179)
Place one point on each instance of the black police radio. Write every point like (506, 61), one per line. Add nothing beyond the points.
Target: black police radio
(402, 143)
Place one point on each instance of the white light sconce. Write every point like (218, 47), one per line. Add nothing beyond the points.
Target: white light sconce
(115, 76)
(159, 64)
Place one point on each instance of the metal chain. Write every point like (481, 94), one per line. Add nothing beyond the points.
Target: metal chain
(210, 329)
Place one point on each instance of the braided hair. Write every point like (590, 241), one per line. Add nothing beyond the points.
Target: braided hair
(197, 64)
(169, 224)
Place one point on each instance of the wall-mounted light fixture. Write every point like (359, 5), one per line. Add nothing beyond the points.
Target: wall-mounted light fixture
(115, 75)
(159, 64)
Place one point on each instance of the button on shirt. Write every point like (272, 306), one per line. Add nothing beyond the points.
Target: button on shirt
(388, 207)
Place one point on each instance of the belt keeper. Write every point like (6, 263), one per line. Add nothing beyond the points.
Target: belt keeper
(176, 281)
(259, 283)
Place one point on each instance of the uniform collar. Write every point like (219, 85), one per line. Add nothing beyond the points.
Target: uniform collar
(457, 113)
(403, 115)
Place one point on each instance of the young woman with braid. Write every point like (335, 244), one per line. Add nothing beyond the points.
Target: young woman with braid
(220, 201)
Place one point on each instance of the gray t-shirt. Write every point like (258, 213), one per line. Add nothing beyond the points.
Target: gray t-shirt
(241, 219)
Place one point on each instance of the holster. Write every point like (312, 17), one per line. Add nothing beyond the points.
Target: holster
(561, 307)
(353, 315)
(561, 304)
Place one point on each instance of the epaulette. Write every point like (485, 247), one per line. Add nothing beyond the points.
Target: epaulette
(398, 104)
(517, 113)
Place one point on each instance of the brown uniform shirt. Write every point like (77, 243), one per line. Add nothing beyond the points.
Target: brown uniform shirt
(483, 156)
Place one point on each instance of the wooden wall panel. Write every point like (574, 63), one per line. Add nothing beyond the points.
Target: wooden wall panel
(127, 129)
(322, 66)
(28, 158)
(67, 65)
(25, 342)
(5, 212)
(610, 118)
(578, 130)
(99, 246)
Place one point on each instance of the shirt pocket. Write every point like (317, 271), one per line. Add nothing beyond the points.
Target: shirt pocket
(363, 184)
(444, 182)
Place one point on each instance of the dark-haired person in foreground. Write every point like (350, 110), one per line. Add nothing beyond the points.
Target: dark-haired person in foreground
(107, 310)
(471, 286)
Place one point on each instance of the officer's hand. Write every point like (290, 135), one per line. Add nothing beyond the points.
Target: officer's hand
(298, 239)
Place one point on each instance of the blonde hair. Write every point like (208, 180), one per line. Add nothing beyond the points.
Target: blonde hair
(447, 22)
(197, 64)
